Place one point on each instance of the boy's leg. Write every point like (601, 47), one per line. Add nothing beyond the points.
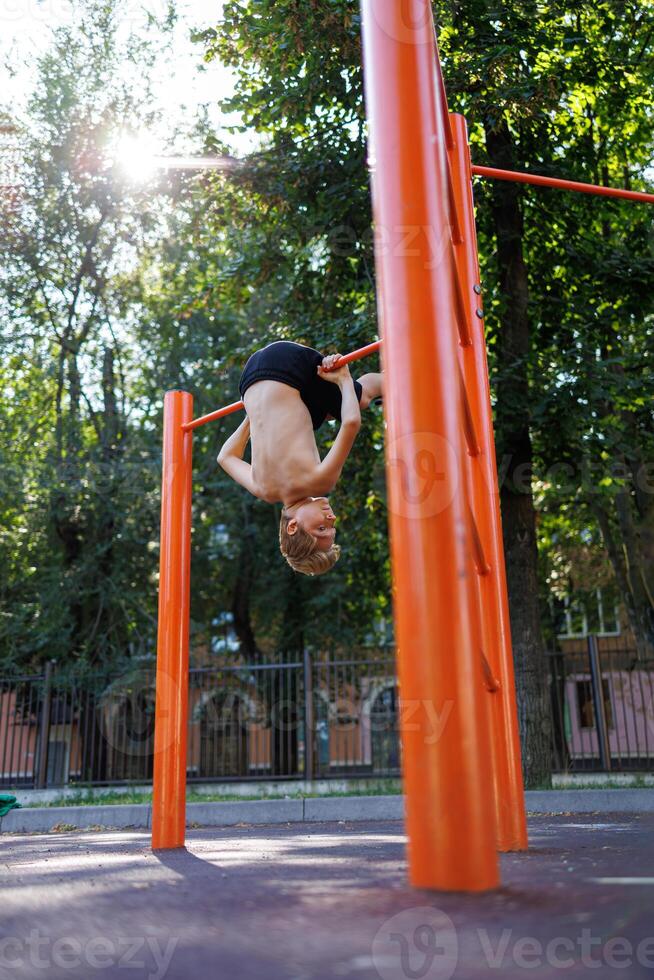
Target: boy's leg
(372, 388)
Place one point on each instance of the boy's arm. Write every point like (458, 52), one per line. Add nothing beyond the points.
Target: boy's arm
(330, 468)
(230, 458)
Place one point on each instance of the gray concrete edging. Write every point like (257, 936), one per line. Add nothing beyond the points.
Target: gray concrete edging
(46, 819)
(318, 808)
(590, 801)
(247, 811)
(307, 810)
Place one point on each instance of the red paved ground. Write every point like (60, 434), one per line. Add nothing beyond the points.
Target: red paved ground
(325, 902)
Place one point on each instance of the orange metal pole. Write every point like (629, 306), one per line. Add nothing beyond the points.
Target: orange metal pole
(564, 185)
(496, 630)
(442, 95)
(213, 416)
(356, 355)
(171, 712)
(444, 725)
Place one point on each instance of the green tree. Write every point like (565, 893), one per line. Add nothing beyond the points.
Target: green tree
(523, 75)
(80, 486)
(559, 89)
(214, 304)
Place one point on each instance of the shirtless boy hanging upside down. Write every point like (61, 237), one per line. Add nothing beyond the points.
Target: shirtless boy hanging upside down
(289, 391)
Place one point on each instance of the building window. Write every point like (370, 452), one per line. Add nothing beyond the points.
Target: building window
(594, 612)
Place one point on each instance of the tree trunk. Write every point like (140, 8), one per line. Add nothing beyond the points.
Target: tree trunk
(628, 527)
(92, 734)
(286, 710)
(634, 509)
(514, 450)
(67, 515)
(636, 574)
(242, 588)
(108, 621)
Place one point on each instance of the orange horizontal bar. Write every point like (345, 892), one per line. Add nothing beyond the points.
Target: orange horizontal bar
(566, 185)
(220, 413)
(212, 416)
(356, 355)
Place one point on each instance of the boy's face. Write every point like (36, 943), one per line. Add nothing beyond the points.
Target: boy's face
(316, 517)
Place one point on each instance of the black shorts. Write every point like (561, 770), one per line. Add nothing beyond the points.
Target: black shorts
(295, 365)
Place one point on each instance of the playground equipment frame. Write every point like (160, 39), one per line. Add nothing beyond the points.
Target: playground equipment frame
(458, 718)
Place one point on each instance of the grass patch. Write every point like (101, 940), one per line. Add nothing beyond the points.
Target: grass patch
(639, 782)
(92, 797)
(390, 787)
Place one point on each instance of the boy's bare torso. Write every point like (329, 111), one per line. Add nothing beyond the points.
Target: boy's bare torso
(285, 457)
(286, 466)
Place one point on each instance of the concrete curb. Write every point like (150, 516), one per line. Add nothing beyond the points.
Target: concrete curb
(354, 808)
(309, 810)
(44, 819)
(252, 811)
(590, 801)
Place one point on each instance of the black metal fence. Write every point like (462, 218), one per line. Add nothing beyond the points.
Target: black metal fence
(602, 700)
(321, 716)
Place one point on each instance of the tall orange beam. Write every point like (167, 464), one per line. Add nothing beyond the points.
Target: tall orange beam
(443, 721)
(496, 629)
(171, 712)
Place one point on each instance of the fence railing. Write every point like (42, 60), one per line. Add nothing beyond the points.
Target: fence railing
(602, 700)
(318, 716)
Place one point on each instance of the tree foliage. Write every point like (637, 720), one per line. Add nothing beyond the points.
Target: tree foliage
(79, 491)
(112, 292)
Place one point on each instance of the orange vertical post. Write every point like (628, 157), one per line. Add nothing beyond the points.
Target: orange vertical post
(171, 712)
(496, 629)
(443, 720)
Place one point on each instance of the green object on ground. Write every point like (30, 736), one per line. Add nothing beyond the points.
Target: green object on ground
(8, 803)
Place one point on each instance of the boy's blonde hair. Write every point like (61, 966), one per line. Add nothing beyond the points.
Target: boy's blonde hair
(301, 550)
